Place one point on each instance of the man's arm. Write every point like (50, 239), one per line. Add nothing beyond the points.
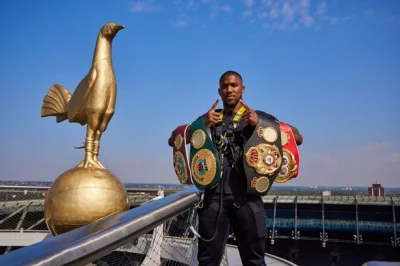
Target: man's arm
(297, 136)
(171, 138)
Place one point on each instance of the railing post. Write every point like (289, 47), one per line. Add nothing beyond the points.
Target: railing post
(323, 235)
(274, 232)
(395, 240)
(295, 234)
(357, 237)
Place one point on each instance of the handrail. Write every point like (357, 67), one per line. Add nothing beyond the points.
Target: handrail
(23, 187)
(91, 242)
(128, 189)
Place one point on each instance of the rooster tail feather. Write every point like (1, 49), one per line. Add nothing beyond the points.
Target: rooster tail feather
(55, 103)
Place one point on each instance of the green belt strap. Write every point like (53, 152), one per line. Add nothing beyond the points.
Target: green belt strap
(204, 161)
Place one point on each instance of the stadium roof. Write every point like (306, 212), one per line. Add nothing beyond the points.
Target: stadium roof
(351, 200)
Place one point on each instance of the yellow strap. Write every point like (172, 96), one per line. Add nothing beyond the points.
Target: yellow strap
(237, 117)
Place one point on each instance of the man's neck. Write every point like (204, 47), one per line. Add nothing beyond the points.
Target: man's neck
(232, 110)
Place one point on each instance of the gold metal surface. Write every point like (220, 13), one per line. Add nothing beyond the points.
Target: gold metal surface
(81, 196)
(178, 141)
(88, 192)
(284, 138)
(289, 167)
(204, 167)
(93, 101)
(179, 166)
(198, 138)
(262, 184)
(270, 134)
(264, 158)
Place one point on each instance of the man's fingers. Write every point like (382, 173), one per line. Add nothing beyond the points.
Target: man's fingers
(215, 105)
(213, 113)
(245, 115)
(214, 117)
(245, 105)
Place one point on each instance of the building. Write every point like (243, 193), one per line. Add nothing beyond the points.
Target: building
(376, 190)
(326, 193)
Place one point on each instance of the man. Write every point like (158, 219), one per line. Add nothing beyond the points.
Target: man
(245, 213)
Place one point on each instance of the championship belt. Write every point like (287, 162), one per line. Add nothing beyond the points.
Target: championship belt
(180, 162)
(204, 161)
(263, 156)
(291, 158)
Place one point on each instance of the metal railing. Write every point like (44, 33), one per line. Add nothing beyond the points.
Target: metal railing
(45, 189)
(89, 243)
(21, 208)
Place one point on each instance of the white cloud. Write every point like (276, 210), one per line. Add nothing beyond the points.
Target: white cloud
(189, 7)
(337, 20)
(270, 14)
(226, 8)
(248, 13)
(262, 14)
(334, 20)
(288, 11)
(180, 23)
(306, 19)
(267, 3)
(144, 6)
(249, 3)
(321, 9)
(274, 13)
(290, 14)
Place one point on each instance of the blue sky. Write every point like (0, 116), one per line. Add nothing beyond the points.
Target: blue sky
(330, 68)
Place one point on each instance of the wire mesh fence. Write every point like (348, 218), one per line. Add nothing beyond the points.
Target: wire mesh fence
(22, 210)
(172, 244)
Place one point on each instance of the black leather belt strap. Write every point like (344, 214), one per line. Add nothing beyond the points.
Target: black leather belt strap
(262, 156)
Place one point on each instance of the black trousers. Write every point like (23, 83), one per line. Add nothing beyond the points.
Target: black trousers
(248, 220)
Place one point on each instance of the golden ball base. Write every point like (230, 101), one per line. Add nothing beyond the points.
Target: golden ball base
(81, 196)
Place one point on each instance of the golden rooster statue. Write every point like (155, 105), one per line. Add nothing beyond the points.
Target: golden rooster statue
(93, 101)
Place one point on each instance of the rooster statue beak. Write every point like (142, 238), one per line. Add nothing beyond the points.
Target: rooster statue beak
(120, 27)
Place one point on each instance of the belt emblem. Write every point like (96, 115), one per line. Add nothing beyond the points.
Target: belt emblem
(204, 161)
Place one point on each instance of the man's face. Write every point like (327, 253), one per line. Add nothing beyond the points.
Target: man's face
(230, 90)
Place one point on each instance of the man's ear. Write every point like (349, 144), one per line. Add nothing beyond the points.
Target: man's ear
(219, 92)
(243, 88)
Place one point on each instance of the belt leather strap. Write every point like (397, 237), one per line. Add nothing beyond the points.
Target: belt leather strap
(291, 157)
(204, 160)
(180, 161)
(263, 155)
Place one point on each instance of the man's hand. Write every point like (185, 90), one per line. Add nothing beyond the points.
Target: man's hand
(297, 136)
(250, 116)
(212, 117)
(172, 139)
